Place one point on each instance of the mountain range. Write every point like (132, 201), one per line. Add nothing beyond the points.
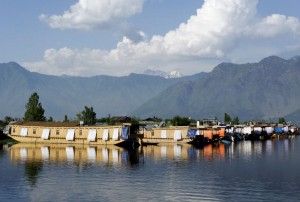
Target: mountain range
(67, 95)
(265, 90)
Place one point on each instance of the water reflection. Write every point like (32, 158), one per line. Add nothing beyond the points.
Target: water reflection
(185, 151)
(116, 156)
(104, 154)
(244, 171)
(32, 170)
(252, 149)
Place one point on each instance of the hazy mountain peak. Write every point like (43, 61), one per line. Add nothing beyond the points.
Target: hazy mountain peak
(169, 75)
(175, 74)
(13, 67)
(271, 60)
(296, 58)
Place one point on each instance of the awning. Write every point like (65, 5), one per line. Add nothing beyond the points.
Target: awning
(163, 134)
(285, 129)
(192, 133)
(70, 135)
(116, 134)
(105, 135)
(45, 134)
(124, 134)
(92, 135)
(269, 130)
(24, 132)
(177, 135)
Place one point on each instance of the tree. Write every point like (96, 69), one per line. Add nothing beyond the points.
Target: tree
(8, 119)
(87, 115)
(227, 118)
(66, 118)
(180, 121)
(281, 120)
(34, 109)
(236, 121)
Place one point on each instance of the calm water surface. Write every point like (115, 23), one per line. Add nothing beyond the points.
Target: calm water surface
(245, 171)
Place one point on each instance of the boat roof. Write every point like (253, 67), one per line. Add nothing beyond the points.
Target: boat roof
(45, 124)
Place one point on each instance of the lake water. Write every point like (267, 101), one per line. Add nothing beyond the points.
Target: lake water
(244, 171)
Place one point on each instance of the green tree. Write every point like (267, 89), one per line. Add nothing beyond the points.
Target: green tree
(236, 121)
(227, 118)
(281, 120)
(34, 110)
(66, 118)
(134, 120)
(180, 121)
(8, 119)
(87, 115)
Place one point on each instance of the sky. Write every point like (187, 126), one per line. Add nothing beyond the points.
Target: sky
(119, 37)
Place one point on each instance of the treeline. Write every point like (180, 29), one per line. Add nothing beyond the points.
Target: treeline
(35, 112)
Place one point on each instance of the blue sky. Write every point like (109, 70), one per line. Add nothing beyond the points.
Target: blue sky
(119, 37)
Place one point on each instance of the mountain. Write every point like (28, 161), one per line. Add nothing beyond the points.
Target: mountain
(174, 74)
(68, 95)
(170, 75)
(267, 89)
(294, 117)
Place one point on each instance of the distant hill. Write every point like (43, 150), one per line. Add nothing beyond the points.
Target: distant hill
(68, 95)
(266, 90)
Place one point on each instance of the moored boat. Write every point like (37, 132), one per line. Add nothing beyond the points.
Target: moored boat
(67, 133)
(166, 135)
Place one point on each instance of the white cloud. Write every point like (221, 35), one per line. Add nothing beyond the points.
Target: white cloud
(221, 30)
(276, 25)
(93, 14)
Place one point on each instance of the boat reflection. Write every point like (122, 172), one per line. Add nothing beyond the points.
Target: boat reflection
(185, 151)
(115, 156)
(60, 153)
(110, 154)
(252, 149)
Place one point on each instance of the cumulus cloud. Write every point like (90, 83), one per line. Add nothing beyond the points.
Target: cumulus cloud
(93, 14)
(276, 25)
(221, 30)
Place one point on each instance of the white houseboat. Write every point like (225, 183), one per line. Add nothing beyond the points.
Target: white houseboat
(67, 133)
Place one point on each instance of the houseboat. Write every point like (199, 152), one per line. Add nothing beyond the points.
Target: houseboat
(165, 135)
(182, 134)
(259, 131)
(67, 133)
(202, 135)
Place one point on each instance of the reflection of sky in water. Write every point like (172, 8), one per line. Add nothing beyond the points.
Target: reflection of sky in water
(245, 171)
